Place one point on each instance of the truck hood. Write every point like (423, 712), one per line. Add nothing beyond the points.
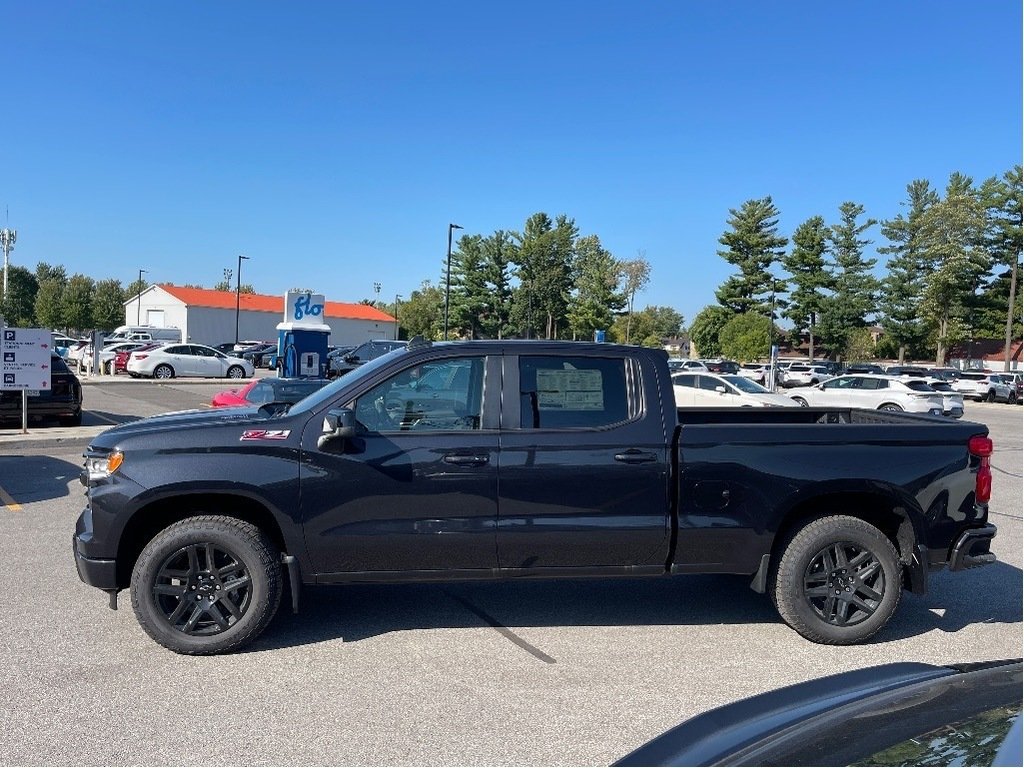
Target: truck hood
(179, 420)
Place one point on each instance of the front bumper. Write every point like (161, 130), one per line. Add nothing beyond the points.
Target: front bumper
(101, 574)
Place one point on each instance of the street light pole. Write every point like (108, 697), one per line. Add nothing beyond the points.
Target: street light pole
(397, 299)
(448, 278)
(238, 293)
(7, 239)
(138, 300)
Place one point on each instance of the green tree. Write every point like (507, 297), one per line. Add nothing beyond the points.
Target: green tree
(706, 327)
(666, 321)
(500, 253)
(1002, 201)
(855, 288)
(421, 313)
(134, 288)
(18, 304)
(46, 272)
(49, 309)
(903, 287)
(544, 270)
(651, 326)
(595, 294)
(953, 239)
(860, 345)
(752, 244)
(636, 273)
(746, 337)
(470, 296)
(811, 280)
(77, 302)
(108, 304)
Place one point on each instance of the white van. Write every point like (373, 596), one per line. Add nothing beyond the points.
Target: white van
(144, 333)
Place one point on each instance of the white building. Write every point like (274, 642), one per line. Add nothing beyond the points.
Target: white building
(208, 317)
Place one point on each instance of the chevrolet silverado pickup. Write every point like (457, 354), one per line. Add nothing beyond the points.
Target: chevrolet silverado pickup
(511, 459)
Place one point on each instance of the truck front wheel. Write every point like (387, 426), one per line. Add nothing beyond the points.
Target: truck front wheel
(206, 584)
(837, 581)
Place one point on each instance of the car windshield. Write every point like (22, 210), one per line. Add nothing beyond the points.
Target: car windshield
(328, 393)
(746, 385)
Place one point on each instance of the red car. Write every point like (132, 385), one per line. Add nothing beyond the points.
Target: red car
(121, 358)
(269, 390)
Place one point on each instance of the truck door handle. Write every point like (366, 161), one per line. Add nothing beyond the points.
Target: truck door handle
(466, 460)
(633, 456)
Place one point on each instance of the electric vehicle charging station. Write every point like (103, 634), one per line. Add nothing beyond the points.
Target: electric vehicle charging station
(302, 337)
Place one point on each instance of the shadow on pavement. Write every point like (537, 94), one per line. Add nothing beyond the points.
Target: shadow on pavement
(37, 478)
(992, 594)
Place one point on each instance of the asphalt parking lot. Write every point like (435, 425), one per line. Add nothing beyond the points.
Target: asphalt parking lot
(520, 673)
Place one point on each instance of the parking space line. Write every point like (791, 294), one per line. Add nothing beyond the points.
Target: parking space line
(103, 418)
(8, 501)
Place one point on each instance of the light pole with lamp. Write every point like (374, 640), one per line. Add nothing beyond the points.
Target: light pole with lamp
(138, 299)
(398, 298)
(238, 293)
(448, 278)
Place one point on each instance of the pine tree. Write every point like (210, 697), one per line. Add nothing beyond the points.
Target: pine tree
(752, 244)
(855, 289)
(1002, 200)
(903, 287)
(806, 263)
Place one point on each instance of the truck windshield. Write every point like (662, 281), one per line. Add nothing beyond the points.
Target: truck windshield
(328, 393)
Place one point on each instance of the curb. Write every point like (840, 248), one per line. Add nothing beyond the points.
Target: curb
(52, 437)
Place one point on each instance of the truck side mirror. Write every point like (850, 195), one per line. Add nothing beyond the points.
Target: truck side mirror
(339, 424)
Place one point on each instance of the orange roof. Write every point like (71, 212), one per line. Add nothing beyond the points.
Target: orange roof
(257, 302)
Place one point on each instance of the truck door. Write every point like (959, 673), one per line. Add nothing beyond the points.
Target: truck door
(417, 489)
(584, 465)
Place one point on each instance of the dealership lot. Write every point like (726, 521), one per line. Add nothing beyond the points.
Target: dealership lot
(575, 672)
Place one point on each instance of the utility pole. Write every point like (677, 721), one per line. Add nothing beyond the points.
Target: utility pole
(138, 300)
(238, 293)
(7, 239)
(448, 278)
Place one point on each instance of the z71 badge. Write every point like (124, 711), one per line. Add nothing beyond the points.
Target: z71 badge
(265, 434)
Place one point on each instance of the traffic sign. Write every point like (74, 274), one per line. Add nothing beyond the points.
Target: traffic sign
(25, 358)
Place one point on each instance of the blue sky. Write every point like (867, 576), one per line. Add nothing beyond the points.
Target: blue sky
(333, 142)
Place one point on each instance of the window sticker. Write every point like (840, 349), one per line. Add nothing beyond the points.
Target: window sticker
(572, 390)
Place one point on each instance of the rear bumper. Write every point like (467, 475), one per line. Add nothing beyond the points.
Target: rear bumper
(973, 549)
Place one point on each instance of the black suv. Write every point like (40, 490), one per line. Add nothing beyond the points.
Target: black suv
(364, 353)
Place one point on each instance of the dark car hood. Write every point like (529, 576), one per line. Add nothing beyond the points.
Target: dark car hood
(179, 420)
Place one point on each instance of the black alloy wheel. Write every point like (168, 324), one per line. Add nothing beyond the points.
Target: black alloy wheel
(844, 584)
(202, 589)
(891, 407)
(991, 396)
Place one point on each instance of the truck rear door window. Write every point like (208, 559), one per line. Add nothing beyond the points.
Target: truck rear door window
(565, 392)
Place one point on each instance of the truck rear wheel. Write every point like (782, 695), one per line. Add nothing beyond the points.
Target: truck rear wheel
(838, 580)
(207, 584)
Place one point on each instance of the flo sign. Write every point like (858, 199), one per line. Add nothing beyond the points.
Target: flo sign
(302, 308)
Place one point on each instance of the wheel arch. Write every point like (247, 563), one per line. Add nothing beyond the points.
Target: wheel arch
(149, 520)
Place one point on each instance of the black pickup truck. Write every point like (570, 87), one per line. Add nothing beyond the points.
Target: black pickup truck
(509, 459)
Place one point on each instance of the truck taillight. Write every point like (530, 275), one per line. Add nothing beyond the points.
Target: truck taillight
(981, 446)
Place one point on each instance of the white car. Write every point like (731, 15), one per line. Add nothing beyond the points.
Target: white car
(803, 374)
(172, 360)
(878, 392)
(679, 365)
(758, 372)
(711, 390)
(109, 352)
(978, 385)
(952, 401)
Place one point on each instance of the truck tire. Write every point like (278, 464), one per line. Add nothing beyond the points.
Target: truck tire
(838, 580)
(207, 584)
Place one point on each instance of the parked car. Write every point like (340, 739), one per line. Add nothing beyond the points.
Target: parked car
(364, 353)
(709, 390)
(862, 368)
(109, 353)
(687, 365)
(188, 360)
(63, 400)
(722, 366)
(758, 372)
(63, 344)
(883, 393)
(982, 386)
(256, 355)
(946, 374)
(952, 401)
(567, 459)
(121, 358)
(144, 333)
(913, 371)
(905, 713)
(1018, 386)
(802, 375)
(269, 390)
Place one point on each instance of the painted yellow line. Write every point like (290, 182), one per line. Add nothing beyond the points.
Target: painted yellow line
(9, 501)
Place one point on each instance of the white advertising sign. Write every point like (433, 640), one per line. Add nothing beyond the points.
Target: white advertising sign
(25, 358)
(304, 308)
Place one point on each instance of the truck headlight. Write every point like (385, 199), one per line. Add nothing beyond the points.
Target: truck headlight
(102, 467)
